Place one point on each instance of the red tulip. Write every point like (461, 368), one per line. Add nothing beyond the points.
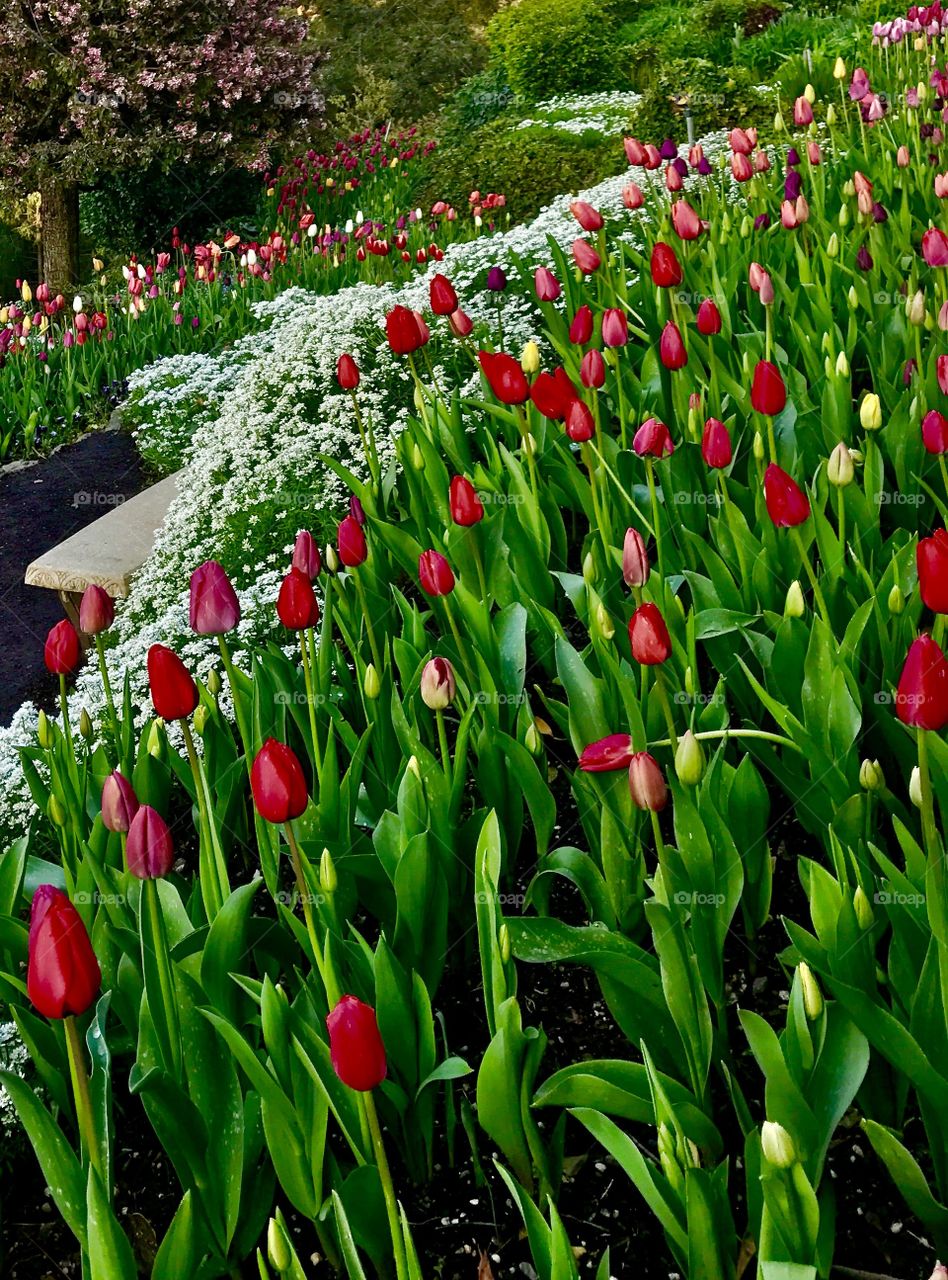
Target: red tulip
(634, 151)
(351, 542)
(935, 432)
(580, 331)
(635, 565)
(62, 651)
(686, 222)
(592, 370)
(768, 393)
(347, 373)
(632, 196)
(787, 504)
(935, 247)
(461, 323)
(277, 783)
(149, 850)
(648, 636)
(444, 301)
(306, 555)
(589, 219)
(615, 327)
(652, 440)
(580, 426)
(434, 574)
(546, 285)
(646, 783)
(403, 331)
(613, 752)
(552, 394)
(173, 691)
(96, 610)
(586, 257)
(665, 267)
(671, 348)
(741, 168)
(716, 444)
(941, 369)
(214, 605)
(297, 606)
(356, 510)
(355, 1045)
(922, 696)
(119, 802)
(63, 975)
(504, 376)
(466, 506)
(931, 559)
(708, 318)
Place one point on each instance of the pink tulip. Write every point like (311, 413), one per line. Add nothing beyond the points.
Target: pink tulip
(586, 257)
(546, 284)
(686, 222)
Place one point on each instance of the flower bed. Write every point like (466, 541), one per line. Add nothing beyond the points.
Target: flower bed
(625, 662)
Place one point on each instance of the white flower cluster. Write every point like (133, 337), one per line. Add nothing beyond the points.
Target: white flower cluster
(606, 113)
(251, 425)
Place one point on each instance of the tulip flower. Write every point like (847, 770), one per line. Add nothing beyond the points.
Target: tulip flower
(922, 696)
(653, 440)
(62, 650)
(444, 300)
(671, 348)
(586, 257)
(504, 377)
(648, 636)
(615, 327)
(935, 432)
(686, 222)
(635, 565)
(552, 394)
(119, 802)
(931, 559)
(173, 691)
(438, 684)
(434, 574)
(405, 334)
(935, 247)
(353, 550)
(214, 607)
(634, 151)
(646, 783)
(466, 506)
(742, 170)
(581, 329)
(347, 373)
(461, 323)
(708, 318)
(149, 851)
(96, 610)
(592, 370)
(665, 267)
(297, 606)
(589, 219)
(63, 975)
(740, 142)
(496, 280)
(716, 444)
(355, 1045)
(277, 782)
(802, 113)
(306, 555)
(787, 504)
(546, 285)
(768, 393)
(608, 754)
(632, 196)
(580, 425)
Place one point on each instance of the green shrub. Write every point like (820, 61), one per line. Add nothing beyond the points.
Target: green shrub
(550, 47)
(826, 36)
(479, 100)
(530, 166)
(720, 96)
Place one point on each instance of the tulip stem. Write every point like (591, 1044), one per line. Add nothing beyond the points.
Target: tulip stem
(666, 707)
(640, 515)
(243, 727)
(653, 495)
(930, 831)
(302, 887)
(368, 440)
(481, 575)
(443, 742)
(215, 887)
(810, 573)
(64, 707)
(83, 1098)
(388, 1189)
(109, 700)
(310, 702)
(373, 645)
(764, 735)
(155, 939)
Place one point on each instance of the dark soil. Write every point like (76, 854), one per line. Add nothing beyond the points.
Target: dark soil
(41, 505)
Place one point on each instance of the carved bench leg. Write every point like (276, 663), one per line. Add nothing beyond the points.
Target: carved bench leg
(70, 601)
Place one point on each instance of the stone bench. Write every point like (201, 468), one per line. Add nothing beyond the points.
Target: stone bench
(107, 552)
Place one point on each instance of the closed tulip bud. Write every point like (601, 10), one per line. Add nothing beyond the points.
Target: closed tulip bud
(843, 220)
(417, 457)
(832, 246)
(353, 550)
(759, 449)
(119, 802)
(355, 1045)
(43, 735)
(604, 623)
(328, 878)
(840, 470)
(896, 600)
(149, 849)
(922, 696)
(442, 296)
(297, 606)
(777, 1145)
(530, 358)
(831, 115)
(812, 995)
(62, 650)
(839, 69)
(96, 610)
(794, 606)
(689, 760)
(842, 365)
(438, 684)
(648, 636)
(435, 574)
(278, 1247)
(940, 1272)
(915, 788)
(371, 685)
(55, 811)
(503, 943)
(532, 740)
(201, 714)
(589, 568)
(787, 504)
(778, 123)
(689, 682)
(635, 565)
(277, 783)
(529, 444)
(214, 684)
(306, 555)
(915, 308)
(871, 777)
(85, 725)
(63, 975)
(862, 908)
(173, 691)
(646, 784)
(347, 373)
(214, 607)
(853, 298)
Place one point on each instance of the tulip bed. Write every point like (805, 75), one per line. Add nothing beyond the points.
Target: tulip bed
(623, 669)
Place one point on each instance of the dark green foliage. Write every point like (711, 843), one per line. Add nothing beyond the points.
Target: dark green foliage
(718, 96)
(551, 47)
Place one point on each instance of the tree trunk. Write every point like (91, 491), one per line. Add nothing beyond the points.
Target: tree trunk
(59, 234)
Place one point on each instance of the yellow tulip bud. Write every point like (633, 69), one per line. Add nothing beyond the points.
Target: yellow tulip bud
(870, 412)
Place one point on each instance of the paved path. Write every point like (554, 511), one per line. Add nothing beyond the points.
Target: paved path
(39, 506)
